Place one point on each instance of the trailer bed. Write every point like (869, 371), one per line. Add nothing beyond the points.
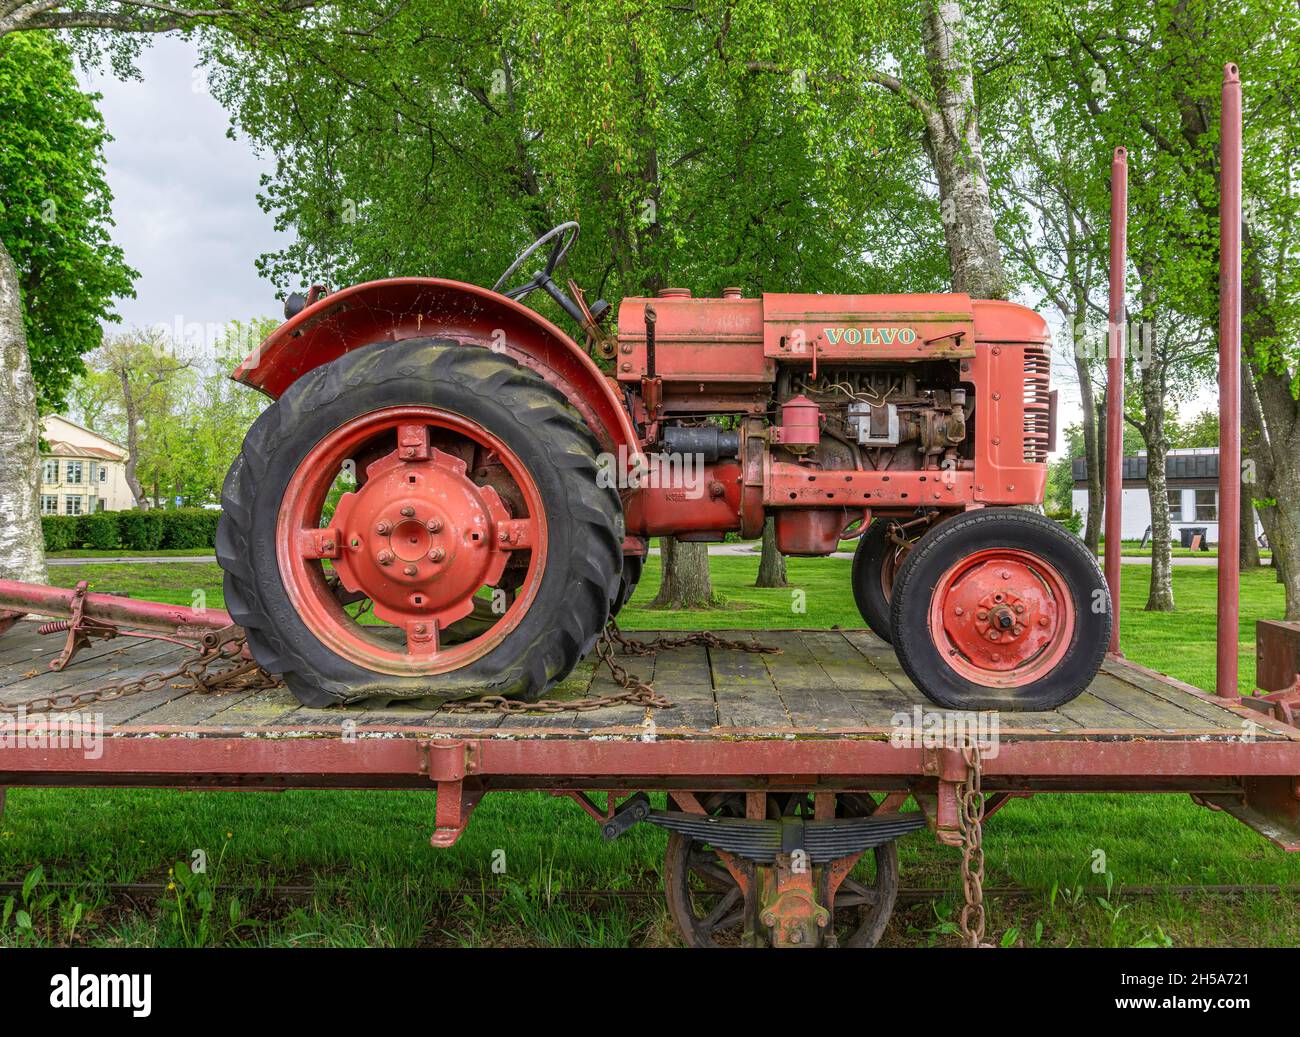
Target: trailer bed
(823, 683)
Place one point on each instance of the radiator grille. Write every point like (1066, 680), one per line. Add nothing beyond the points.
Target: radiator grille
(1038, 367)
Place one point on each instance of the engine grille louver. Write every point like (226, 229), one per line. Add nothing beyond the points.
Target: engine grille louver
(1038, 367)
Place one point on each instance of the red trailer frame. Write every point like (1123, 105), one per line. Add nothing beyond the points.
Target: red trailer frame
(1255, 780)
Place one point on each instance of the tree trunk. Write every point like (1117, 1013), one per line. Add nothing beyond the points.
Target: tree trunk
(22, 545)
(1091, 451)
(1160, 597)
(132, 439)
(953, 141)
(771, 566)
(1249, 545)
(1279, 413)
(686, 583)
(1102, 410)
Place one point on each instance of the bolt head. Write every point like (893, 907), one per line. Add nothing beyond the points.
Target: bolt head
(408, 512)
(434, 525)
(410, 570)
(437, 554)
(958, 611)
(384, 528)
(385, 557)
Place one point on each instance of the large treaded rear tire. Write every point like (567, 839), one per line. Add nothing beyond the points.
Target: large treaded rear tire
(585, 519)
(1000, 529)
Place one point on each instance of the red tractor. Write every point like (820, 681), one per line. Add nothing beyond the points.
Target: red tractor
(450, 496)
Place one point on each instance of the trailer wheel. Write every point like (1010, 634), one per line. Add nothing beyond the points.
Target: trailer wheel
(477, 551)
(875, 566)
(708, 908)
(1000, 608)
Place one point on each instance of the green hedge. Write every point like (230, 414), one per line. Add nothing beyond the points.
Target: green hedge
(140, 530)
(60, 532)
(185, 529)
(189, 528)
(98, 530)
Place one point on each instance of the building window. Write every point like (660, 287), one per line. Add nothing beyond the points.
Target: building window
(74, 472)
(49, 503)
(1207, 505)
(50, 473)
(101, 504)
(71, 505)
(90, 475)
(1175, 505)
(103, 473)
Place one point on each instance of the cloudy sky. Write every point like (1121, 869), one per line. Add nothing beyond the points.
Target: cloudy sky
(184, 196)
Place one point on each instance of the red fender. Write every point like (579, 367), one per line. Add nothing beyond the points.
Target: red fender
(418, 307)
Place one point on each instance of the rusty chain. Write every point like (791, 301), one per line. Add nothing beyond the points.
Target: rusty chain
(971, 795)
(244, 675)
(247, 675)
(637, 692)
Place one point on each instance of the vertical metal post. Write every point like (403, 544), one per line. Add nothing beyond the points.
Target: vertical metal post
(1229, 384)
(1115, 384)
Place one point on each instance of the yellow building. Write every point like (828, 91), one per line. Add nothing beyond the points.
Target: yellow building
(81, 472)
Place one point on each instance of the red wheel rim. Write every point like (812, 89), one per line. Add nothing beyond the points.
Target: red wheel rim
(441, 508)
(1002, 618)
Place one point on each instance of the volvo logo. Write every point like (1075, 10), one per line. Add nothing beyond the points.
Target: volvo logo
(870, 336)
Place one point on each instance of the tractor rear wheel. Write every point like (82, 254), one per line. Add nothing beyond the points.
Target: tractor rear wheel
(875, 564)
(473, 551)
(1000, 609)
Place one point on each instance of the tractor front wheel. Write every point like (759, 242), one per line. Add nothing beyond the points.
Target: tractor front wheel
(875, 564)
(419, 518)
(1000, 609)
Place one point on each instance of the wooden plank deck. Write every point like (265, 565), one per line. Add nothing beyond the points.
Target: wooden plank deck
(822, 684)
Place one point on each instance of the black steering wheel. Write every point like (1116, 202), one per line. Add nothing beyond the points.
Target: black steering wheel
(565, 235)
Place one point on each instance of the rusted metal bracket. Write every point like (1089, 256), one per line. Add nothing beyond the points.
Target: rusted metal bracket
(81, 629)
(789, 906)
(943, 805)
(450, 764)
(1269, 804)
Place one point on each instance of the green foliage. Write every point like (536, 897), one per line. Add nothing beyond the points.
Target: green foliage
(189, 527)
(60, 532)
(647, 124)
(98, 530)
(140, 530)
(55, 209)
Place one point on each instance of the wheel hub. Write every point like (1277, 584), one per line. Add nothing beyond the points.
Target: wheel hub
(421, 538)
(1001, 613)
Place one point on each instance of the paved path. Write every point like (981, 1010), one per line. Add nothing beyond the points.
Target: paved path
(725, 550)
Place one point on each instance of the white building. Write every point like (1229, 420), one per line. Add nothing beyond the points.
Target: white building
(81, 471)
(1192, 477)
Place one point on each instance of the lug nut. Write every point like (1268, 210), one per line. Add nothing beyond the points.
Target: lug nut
(437, 554)
(410, 570)
(434, 525)
(385, 557)
(958, 611)
(408, 511)
(384, 528)
(981, 614)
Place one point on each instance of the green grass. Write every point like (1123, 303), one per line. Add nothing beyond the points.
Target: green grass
(377, 882)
